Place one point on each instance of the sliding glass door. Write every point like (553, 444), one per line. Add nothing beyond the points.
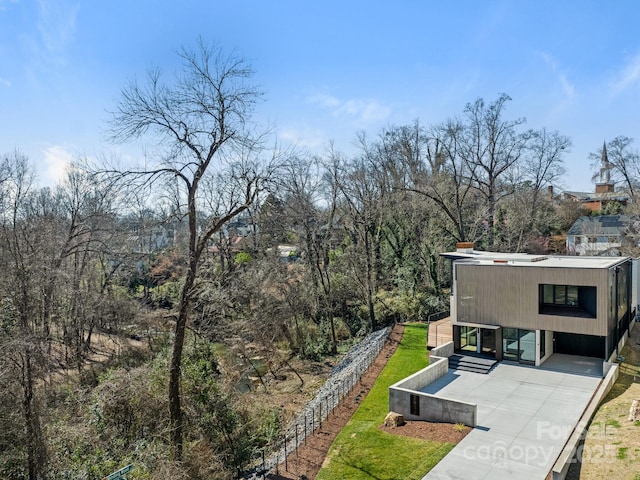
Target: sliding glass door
(519, 345)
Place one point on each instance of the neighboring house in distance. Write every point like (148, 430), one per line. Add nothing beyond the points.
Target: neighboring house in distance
(599, 235)
(150, 239)
(524, 308)
(598, 200)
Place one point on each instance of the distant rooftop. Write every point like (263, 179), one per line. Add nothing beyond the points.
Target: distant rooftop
(527, 260)
(600, 225)
(591, 196)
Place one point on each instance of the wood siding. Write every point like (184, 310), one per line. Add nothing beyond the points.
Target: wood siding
(508, 295)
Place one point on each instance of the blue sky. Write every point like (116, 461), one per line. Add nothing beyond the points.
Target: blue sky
(330, 69)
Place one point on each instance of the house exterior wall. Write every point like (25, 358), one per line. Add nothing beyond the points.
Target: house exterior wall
(508, 295)
(584, 247)
(594, 205)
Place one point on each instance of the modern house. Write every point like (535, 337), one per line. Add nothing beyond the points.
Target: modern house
(523, 308)
(599, 235)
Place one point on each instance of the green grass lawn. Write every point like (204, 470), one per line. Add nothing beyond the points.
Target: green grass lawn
(361, 450)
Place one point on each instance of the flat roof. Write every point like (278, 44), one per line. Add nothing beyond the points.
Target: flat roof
(528, 260)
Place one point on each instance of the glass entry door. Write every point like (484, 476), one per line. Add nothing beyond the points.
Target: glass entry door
(488, 343)
(469, 339)
(478, 340)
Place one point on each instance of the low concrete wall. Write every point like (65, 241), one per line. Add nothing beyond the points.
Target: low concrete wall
(606, 366)
(438, 367)
(432, 408)
(445, 350)
(561, 467)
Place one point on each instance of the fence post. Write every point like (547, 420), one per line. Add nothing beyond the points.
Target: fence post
(286, 461)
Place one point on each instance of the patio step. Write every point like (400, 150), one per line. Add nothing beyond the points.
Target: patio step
(470, 363)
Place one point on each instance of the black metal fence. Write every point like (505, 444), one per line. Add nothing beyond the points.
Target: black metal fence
(345, 377)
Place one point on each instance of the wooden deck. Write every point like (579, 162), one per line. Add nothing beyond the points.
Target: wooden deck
(440, 332)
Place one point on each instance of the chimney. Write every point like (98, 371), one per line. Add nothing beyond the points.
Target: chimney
(464, 247)
(550, 192)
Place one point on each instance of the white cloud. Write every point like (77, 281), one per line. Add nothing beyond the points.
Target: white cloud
(567, 87)
(366, 111)
(56, 26)
(5, 82)
(628, 75)
(306, 138)
(362, 111)
(57, 160)
(324, 100)
(3, 3)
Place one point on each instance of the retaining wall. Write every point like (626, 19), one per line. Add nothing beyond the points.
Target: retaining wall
(431, 408)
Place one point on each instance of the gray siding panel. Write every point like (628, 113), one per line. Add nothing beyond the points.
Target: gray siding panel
(507, 295)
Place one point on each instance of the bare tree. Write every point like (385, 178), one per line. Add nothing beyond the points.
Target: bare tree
(201, 122)
(492, 146)
(359, 194)
(304, 190)
(21, 341)
(526, 213)
(447, 181)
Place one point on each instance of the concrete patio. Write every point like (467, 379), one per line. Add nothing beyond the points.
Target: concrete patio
(525, 416)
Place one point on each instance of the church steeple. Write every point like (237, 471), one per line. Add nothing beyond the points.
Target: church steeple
(605, 185)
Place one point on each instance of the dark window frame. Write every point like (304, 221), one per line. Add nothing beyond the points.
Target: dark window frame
(560, 295)
(567, 300)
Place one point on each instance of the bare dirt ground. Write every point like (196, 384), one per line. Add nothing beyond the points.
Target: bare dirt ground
(306, 461)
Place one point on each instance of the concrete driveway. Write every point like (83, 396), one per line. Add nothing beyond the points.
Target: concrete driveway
(525, 416)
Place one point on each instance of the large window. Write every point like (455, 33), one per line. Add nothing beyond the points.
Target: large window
(560, 295)
(519, 345)
(568, 300)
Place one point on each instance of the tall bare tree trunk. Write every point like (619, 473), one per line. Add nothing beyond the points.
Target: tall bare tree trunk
(36, 452)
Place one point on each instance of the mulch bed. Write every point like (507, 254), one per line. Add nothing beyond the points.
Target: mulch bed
(438, 432)
(306, 461)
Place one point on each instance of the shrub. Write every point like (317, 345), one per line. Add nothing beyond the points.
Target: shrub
(242, 258)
